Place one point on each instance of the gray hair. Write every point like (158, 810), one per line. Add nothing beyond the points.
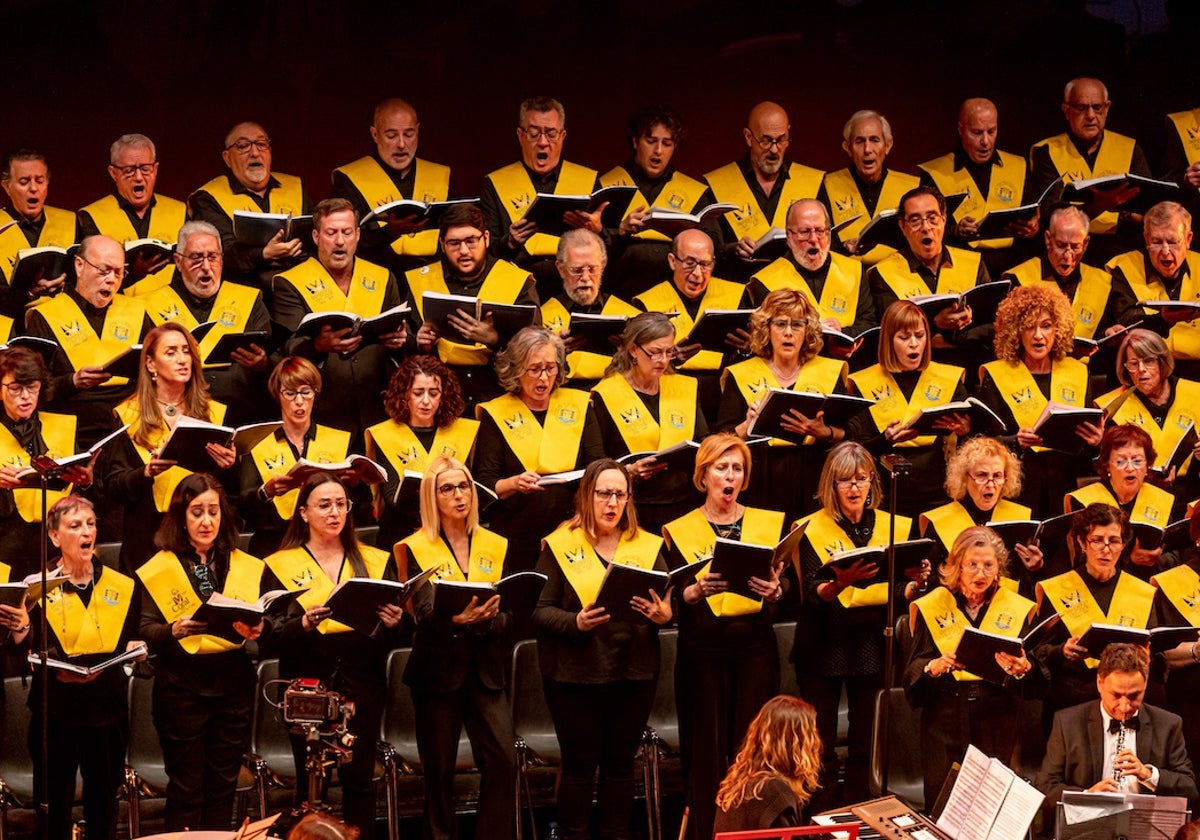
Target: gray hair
(131, 141)
(195, 228)
(1070, 211)
(863, 116)
(542, 105)
(1070, 86)
(639, 330)
(1164, 214)
(511, 361)
(580, 238)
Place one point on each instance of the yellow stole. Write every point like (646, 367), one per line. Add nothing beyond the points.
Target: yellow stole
(1068, 385)
(274, 457)
(1114, 158)
(1004, 190)
(845, 202)
(955, 278)
(1005, 616)
(486, 563)
(582, 566)
(680, 194)
(95, 628)
(1152, 505)
(58, 432)
(296, 569)
(319, 291)
(545, 449)
(122, 329)
(676, 421)
(1181, 586)
(828, 538)
(516, 192)
(402, 450)
(583, 364)
(1091, 295)
(58, 231)
(754, 378)
(170, 585)
(230, 312)
(165, 481)
(839, 296)
(502, 285)
(729, 186)
(431, 182)
(166, 218)
(1187, 125)
(695, 538)
(1184, 338)
(935, 386)
(287, 198)
(6, 329)
(952, 519)
(1070, 597)
(665, 298)
(1181, 415)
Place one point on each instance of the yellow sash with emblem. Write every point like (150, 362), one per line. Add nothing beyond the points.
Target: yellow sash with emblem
(680, 194)
(839, 295)
(676, 421)
(516, 193)
(96, 627)
(122, 329)
(58, 231)
(1005, 188)
(296, 569)
(1131, 603)
(1181, 586)
(486, 563)
(952, 518)
(846, 202)
(754, 377)
(1068, 385)
(582, 566)
(368, 285)
(545, 449)
(720, 294)
(583, 364)
(694, 538)
(165, 481)
(166, 218)
(1152, 505)
(729, 186)
(402, 450)
(1182, 414)
(1184, 338)
(170, 585)
(502, 285)
(1090, 298)
(1006, 616)
(230, 312)
(953, 279)
(1187, 125)
(1114, 158)
(828, 538)
(431, 182)
(935, 386)
(287, 198)
(58, 433)
(274, 457)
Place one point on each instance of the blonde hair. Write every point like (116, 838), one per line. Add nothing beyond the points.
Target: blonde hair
(195, 396)
(977, 536)
(786, 303)
(710, 451)
(431, 514)
(971, 453)
(781, 743)
(845, 459)
(1017, 312)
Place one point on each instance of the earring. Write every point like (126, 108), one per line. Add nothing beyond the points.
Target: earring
(153, 374)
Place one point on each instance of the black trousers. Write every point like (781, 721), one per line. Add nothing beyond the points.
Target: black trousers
(598, 726)
(98, 754)
(204, 739)
(487, 716)
(973, 712)
(825, 694)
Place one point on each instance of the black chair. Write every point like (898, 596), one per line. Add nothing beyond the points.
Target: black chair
(145, 773)
(270, 759)
(785, 637)
(16, 766)
(902, 774)
(537, 742)
(661, 738)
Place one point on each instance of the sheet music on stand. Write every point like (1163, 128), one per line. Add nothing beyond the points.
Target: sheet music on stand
(1104, 816)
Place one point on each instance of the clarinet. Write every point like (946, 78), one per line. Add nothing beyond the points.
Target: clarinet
(1120, 746)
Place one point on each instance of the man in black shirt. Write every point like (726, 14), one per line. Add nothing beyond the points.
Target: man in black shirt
(26, 181)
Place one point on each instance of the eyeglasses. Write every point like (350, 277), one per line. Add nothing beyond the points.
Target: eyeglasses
(305, 394)
(1165, 244)
(931, 219)
(1084, 107)
(455, 244)
(16, 389)
(448, 490)
(330, 505)
(858, 481)
(578, 271)
(104, 272)
(984, 479)
(611, 495)
(766, 141)
(134, 169)
(542, 370)
(809, 232)
(1137, 364)
(535, 134)
(243, 146)
(1068, 247)
(1129, 463)
(976, 568)
(197, 260)
(690, 264)
(784, 324)
(1112, 543)
(658, 355)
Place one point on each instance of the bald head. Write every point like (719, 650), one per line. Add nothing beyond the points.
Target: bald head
(766, 134)
(396, 131)
(691, 260)
(978, 124)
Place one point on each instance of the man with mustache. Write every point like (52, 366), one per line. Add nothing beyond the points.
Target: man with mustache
(196, 295)
(867, 186)
(134, 211)
(833, 282)
(26, 181)
(1165, 269)
(250, 184)
(507, 192)
(354, 369)
(393, 172)
(762, 184)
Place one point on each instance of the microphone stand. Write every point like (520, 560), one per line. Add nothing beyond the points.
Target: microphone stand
(46, 469)
(896, 465)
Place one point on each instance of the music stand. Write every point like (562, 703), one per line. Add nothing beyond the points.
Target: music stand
(896, 466)
(46, 469)
(1144, 816)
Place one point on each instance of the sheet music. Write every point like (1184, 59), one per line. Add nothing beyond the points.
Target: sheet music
(989, 798)
(958, 807)
(1021, 806)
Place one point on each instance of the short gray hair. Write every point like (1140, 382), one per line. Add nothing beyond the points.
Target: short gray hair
(863, 116)
(130, 141)
(580, 238)
(194, 228)
(542, 105)
(511, 361)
